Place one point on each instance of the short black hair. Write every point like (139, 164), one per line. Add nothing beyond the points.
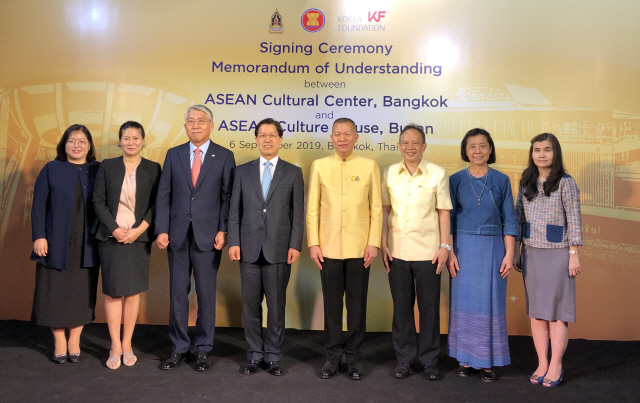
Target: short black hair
(269, 121)
(344, 120)
(61, 153)
(130, 125)
(475, 132)
(414, 127)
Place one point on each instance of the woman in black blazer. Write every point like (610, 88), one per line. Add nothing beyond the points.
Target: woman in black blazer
(124, 199)
(64, 248)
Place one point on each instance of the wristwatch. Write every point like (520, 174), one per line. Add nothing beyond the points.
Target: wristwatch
(444, 245)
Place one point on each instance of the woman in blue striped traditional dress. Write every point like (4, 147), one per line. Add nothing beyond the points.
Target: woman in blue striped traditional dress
(483, 228)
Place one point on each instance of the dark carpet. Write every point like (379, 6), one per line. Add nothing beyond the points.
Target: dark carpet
(596, 371)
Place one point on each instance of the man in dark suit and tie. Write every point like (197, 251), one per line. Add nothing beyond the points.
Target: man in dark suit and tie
(192, 210)
(266, 223)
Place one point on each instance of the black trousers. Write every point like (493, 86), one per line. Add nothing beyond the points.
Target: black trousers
(259, 279)
(348, 279)
(408, 280)
(204, 265)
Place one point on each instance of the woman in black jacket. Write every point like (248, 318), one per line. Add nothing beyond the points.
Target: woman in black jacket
(124, 198)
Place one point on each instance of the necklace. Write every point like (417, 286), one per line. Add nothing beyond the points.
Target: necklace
(483, 186)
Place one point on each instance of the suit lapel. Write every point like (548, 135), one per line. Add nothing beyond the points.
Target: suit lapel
(278, 173)
(210, 160)
(121, 171)
(254, 172)
(185, 162)
(142, 186)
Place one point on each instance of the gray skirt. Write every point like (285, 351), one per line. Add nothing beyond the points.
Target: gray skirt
(550, 292)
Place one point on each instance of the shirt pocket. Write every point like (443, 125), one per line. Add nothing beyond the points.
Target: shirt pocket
(555, 233)
(425, 196)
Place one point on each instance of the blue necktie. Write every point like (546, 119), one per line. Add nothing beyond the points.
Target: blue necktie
(266, 180)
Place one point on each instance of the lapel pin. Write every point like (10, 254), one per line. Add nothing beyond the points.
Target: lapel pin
(213, 155)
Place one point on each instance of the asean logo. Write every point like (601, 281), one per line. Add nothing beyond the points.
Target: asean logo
(312, 20)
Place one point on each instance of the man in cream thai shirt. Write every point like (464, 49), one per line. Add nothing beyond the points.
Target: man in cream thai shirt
(415, 204)
(344, 224)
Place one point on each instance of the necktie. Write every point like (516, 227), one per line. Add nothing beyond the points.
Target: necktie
(195, 168)
(266, 180)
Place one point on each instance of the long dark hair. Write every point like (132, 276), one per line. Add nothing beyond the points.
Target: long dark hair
(62, 153)
(529, 180)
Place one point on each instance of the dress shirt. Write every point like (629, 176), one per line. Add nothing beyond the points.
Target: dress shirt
(203, 152)
(414, 229)
(344, 210)
(272, 168)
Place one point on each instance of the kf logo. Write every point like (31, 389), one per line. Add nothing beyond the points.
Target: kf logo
(377, 15)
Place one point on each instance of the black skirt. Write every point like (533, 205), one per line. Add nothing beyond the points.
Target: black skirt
(67, 298)
(125, 268)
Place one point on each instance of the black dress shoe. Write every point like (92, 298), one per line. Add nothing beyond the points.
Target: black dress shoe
(467, 371)
(329, 369)
(432, 373)
(402, 371)
(488, 376)
(251, 367)
(173, 361)
(74, 358)
(275, 368)
(60, 359)
(355, 371)
(203, 362)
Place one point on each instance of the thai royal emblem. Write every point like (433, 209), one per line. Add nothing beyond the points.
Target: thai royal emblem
(276, 26)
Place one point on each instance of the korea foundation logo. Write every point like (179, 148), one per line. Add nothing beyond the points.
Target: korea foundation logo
(370, 22)
(312, 20)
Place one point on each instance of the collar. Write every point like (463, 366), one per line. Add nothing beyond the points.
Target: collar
(273, 161)
(339, 158)
(422, 167)
(203, 148)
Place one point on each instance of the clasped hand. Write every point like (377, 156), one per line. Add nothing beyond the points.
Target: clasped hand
(126, 236)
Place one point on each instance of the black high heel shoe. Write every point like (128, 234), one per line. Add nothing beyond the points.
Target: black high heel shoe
(60, 358)
(74, 358)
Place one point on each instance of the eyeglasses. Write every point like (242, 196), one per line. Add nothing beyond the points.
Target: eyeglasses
(263, 137)
(81, 143)
(199, 122)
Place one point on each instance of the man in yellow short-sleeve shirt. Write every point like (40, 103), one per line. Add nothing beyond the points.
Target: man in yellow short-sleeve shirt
(344, 224)
(415, 204)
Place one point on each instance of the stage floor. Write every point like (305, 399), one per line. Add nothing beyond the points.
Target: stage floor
(596, 371)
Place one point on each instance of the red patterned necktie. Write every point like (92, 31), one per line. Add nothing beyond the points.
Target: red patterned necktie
(195, 169)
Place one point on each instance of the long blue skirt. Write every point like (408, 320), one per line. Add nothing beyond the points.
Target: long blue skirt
(477, 307)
